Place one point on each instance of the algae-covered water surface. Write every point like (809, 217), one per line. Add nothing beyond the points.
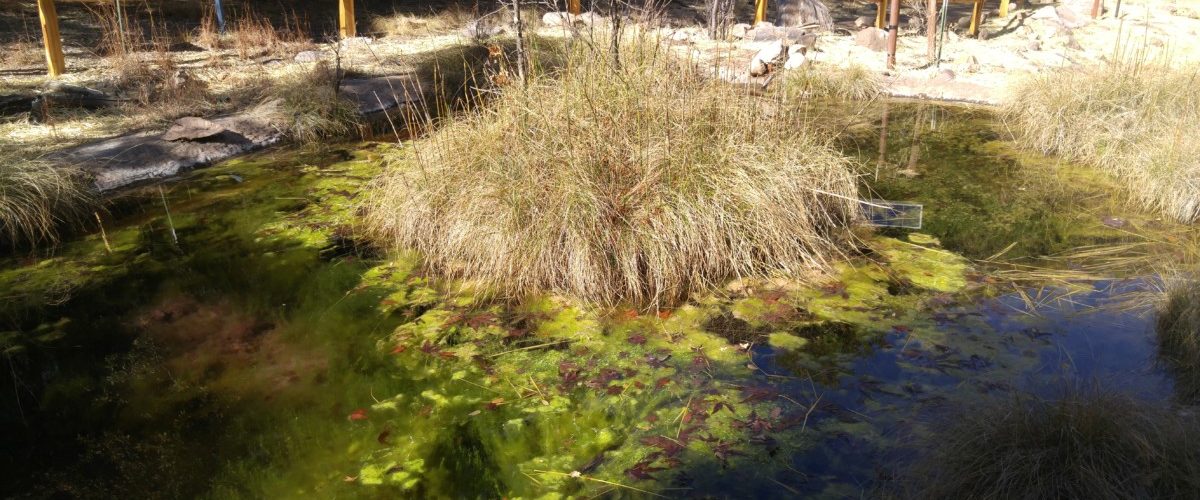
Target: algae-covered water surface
(227, 336)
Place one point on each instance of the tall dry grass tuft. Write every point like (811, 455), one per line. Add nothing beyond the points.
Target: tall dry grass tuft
(253, 35)
(436, 22)
(1133, 120)
(36, 199)
(640, 183)
(1179, 338)
(853, 83)
(1084, 445)
(316, 109)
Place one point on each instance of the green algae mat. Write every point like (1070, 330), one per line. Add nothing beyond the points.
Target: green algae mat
(250, 347)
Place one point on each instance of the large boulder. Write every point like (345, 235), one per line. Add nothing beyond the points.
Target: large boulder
(192, 128)
(872, 38)
(800, 13)
(767, 58)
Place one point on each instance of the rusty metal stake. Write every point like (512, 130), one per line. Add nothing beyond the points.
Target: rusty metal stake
(893, 33)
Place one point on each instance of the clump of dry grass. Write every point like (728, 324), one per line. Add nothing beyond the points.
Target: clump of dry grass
(1178, 329)
(1131, 119)
(406, 25)
(253, 35)
(854, 83)
(640, 182)
(1084, 445)
(37, 198)
(316, 109)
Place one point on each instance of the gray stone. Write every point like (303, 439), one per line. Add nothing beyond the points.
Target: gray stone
(558, 19)
(771, 55)
(872, 38)
(795, 57)
(308, 56)
(863, 21)
(192, 128)
(739, 30)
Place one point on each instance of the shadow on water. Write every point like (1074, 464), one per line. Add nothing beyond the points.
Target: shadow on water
(256, 356)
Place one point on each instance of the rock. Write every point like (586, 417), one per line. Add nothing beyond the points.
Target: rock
(863, 21)
(558, 19)
(797, 13)
(308, 56)
(771, 55)
(481, 29)
(1033, 45)
(942, 75)
(1113, 222)
(356, 40)
(191, 128)
(15, 104)
(764, 24)
(1076, 13)
(795, 57)
(58, 95)
(963, 23)
(872, 38)
(970, 64)
(739, 30)
(589, 18)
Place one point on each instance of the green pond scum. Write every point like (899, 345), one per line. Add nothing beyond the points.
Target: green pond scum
(264, 352)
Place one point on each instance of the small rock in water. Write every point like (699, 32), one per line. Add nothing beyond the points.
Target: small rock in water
(1113, 222)
(192, 128)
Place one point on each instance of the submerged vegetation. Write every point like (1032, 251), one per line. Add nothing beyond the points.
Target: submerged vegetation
(1084, 445)
(1130, 119)
(640, 180)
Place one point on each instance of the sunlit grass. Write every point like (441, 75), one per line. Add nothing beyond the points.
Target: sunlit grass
(641, 182)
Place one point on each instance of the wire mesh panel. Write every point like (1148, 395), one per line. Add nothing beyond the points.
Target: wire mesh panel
(883, 213)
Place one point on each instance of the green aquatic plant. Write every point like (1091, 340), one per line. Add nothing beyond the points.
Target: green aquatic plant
(1129, 118)
(641, 182)
(1082, 445)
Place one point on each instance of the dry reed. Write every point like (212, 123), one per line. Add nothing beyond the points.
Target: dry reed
(642, 182)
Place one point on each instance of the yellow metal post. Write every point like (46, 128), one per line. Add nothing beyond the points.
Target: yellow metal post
(880, 14)
(346, 18)
(573, 7)
(1004, 8)
(760, 11)
(976, 17)
(55, 61)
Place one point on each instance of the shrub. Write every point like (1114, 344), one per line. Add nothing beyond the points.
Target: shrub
(854, 83)
(36, 198)
(641, 181)
(1131, 120)
(1084, 445)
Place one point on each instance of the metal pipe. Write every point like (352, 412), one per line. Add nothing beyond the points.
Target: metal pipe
(220, 17)
(942, 40)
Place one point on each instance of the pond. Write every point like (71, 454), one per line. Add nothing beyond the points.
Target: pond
(227, 336)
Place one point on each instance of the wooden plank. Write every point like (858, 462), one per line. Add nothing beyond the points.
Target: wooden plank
(346, 24)
(573, 7)
(1004, 8)
(51, 40)
(760, 11)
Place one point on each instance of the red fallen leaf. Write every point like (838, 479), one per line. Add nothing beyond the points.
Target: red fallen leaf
(399, 349)
(662, 382)
(664, 314)
(636, 339)
(639, 384)
(901, 328)
(670, 447)
(629, 314)
(447, 355)
(383, 436)
(358, 415)
(652, 418)
(614, 390)
(495, 403)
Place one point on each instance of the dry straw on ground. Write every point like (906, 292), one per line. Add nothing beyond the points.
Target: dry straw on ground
(639, 182)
